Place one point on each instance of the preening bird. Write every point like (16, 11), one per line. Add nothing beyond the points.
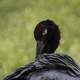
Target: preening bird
(47, 36)
(48, 65)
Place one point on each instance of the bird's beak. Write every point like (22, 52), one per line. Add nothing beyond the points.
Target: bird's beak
(39, 47)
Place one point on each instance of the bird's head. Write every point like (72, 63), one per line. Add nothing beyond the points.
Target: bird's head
(47, 35)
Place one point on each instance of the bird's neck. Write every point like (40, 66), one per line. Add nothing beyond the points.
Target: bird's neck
(47, 48)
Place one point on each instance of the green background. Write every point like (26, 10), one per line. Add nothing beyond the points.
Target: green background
(18, 19)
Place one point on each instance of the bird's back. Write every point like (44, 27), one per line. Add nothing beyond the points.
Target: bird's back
(52, 75)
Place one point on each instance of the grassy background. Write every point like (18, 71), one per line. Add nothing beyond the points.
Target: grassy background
(18, 19)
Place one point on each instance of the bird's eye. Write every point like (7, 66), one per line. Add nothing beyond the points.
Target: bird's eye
(44, 32)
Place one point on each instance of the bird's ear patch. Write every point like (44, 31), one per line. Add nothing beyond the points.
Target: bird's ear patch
(39, 28)
(45, 32)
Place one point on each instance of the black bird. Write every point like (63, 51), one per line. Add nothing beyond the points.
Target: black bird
(48, 65)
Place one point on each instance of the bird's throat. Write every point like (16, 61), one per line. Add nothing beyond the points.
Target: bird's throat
(39, 48)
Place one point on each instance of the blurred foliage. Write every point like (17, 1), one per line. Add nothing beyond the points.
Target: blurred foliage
(18, 19)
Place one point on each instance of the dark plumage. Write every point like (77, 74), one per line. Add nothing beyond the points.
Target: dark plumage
(48, 66)
(48, 33)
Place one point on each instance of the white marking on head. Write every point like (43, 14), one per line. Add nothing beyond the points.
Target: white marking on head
(45, 32)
